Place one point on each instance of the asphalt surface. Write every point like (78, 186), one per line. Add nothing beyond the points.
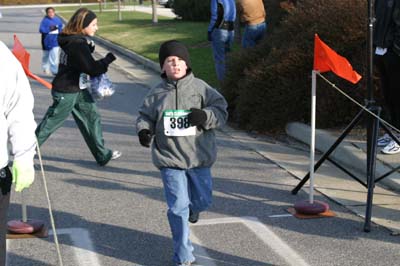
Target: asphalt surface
(116, 215)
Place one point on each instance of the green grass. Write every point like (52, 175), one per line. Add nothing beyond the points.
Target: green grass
(137, 33)
(106, 6)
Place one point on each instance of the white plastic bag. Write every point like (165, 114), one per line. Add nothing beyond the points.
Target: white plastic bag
(101, 87)
(84, 81)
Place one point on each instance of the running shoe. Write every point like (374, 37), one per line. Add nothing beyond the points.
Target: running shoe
(384, 140)
(391, 148)
(116, 155)
(193, 217)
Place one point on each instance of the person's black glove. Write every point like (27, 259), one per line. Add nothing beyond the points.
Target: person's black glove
(145, 137)
(110, 57)
(209, 37)
(197, 117)
(53, 27)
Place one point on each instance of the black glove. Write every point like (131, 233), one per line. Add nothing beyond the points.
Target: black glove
(145, 137)
(209, 37)
(197, 117)
(53, 27)
(110, 57)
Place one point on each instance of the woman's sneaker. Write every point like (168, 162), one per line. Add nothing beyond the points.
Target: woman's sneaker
(115, 155)
(384, 140)
(391, 148)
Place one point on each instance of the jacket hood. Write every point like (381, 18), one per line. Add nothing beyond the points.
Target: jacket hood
(65, 40)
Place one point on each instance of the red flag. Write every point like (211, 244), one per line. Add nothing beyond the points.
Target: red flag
(326, 59)
(24, 57)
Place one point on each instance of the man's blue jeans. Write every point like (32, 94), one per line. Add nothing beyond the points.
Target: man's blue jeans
(253, 34)
(221, 44)
(184, 190)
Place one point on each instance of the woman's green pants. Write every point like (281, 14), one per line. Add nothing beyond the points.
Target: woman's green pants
(84, 111)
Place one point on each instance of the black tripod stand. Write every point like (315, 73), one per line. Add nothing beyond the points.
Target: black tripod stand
(372, 133)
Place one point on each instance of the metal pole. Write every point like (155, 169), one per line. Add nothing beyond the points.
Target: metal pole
(23, 206)
(312, 142)
(373, 123)
(370, 73)
(373, 128)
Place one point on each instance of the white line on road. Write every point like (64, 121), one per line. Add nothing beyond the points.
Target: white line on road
(83, 247)
(265, 234)
(280, 215)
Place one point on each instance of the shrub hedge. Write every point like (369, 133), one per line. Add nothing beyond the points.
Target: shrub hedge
(269, 85)
(192, 10)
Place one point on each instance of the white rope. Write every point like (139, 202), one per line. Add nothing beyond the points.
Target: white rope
(360, 105)
(53, 225)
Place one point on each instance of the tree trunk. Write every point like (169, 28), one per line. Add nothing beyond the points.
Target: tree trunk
(119, 10)
(154, 7)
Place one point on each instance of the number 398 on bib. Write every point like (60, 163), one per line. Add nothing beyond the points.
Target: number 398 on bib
(176, 123)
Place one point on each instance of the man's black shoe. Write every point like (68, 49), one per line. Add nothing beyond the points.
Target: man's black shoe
(193, 217)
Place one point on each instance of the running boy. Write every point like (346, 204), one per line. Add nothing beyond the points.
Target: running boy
(181, 113)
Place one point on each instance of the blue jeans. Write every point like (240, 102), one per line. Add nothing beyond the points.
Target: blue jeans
(184, 190)
(253, 34)
(221, 44)
(50, 60)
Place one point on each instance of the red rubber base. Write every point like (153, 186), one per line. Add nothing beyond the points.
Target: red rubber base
(20, 227)
(305, 207)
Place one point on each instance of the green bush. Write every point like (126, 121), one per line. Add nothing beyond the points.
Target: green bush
(192, 10)
(270, 85)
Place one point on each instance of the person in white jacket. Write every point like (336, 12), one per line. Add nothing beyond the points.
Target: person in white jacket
(17, 127)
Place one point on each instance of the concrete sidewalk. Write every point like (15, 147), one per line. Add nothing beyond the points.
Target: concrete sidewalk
(294, 156)
(351, 153)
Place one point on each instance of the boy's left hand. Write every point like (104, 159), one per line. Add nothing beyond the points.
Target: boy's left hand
(197, 117)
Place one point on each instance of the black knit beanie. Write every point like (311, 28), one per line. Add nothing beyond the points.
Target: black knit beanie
(173, 48)
(90, 16)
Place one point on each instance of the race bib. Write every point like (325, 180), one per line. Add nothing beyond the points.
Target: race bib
(176, 123)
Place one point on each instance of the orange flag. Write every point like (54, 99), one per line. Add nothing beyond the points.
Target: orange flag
(24, 57)
(326, 59)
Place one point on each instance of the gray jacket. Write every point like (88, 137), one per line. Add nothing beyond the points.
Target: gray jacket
(183, 152)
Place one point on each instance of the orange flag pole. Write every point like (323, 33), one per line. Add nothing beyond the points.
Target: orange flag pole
(23, 57)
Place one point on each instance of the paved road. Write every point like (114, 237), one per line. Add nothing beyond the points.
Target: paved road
(116, 215)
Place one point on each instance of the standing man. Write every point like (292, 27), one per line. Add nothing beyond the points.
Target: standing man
(50, 27)
(252, 14)
(221, 32)
(17, 126)
(387, 59)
